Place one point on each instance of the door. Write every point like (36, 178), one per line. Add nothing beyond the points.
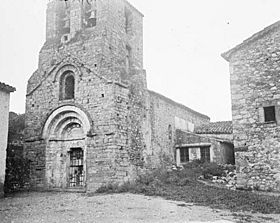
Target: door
(76, 168)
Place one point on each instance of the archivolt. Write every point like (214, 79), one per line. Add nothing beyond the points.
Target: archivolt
(64, 118)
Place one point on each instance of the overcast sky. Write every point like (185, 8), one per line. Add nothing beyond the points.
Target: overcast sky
(183, 41)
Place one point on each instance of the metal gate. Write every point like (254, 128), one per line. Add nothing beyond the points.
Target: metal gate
(76, 174)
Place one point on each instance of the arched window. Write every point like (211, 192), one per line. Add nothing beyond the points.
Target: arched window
(67, 86)
(170, 132)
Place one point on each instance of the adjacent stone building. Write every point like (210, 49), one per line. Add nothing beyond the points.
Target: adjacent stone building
(255, 88)
(90, 119)
(211, 142)
(5, 91)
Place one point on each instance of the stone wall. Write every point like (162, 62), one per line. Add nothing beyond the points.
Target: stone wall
(4, 118)
(120, 125)
(106, 105)
(110, 86)
(162, 114)
(254, 75)
(221, 152)
(226, 137)
(103, 48)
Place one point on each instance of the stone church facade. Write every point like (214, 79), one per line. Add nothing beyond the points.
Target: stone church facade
(90, 119)
(255, 88)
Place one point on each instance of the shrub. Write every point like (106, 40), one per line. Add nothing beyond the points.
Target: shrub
(183, 186)
(118, 188)
(212, 169)
(17, 174)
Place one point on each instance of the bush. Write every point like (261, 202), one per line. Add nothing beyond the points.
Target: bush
(117, 188)
(183, 186)
(107, 188)
(212, 169)
(17, 174)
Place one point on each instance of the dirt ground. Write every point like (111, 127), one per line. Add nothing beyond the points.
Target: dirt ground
(79, 208)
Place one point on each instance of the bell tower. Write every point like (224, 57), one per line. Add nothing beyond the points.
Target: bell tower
(107, 35)
(88, 99)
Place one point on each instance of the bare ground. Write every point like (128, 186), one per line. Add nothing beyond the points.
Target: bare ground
(71, 207)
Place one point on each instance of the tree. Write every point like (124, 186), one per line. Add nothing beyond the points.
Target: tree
(16, 127)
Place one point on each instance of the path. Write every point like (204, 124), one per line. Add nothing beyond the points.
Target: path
(70, 207)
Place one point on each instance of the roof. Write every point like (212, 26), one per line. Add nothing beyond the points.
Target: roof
(168, 100)
(227, 55)
(6, 88)
(190, 139)
(224, 127)
(135, 9)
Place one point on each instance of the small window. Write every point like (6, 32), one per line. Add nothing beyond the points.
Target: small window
(170, 132)
(90, 14)
(128, 21)
(67, 86)
(205, 154)
(64, 21)
(128, 59)
(184, 155)
(269, 114)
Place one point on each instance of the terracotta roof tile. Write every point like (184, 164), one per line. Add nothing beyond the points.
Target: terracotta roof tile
(6, 88)
(224, 127)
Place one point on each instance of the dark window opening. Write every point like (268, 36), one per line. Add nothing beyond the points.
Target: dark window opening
(128, 21)
(269, 114)
(76, 172)
(184, 155)
(128, 59)
(90, 15)
(64, 20)
(65, 37)
(170, 132)
(67, 86)
(205, 154)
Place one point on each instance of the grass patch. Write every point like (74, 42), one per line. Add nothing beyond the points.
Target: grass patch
(183, 186)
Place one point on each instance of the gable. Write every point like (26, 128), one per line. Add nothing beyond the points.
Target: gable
(55, 72)
(257, 36)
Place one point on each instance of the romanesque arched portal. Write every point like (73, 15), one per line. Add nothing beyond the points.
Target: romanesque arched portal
(65, 132)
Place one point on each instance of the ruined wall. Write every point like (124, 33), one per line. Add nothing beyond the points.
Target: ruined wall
(4, 120)
(254, 70)
(162, 113)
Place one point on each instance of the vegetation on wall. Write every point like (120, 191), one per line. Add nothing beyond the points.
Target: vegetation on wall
(16, 127)
(17, 167)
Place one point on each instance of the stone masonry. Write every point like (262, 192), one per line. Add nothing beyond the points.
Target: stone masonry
(216, 137)
(255, 88)
(5, 91)
(90, 119)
